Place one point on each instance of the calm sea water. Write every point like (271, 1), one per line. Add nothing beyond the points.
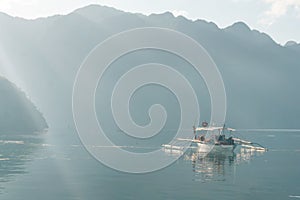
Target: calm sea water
(44, 167)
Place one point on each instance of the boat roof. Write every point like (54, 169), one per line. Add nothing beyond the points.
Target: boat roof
(212, 128)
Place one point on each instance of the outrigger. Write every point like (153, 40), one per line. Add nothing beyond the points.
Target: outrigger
(215, 139)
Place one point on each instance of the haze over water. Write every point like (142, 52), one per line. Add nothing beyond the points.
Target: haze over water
(64, 170)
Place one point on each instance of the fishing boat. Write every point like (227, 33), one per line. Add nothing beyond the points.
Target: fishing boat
(216, 139)
(213, 138)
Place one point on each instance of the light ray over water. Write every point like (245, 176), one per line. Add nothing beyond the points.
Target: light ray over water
(269, 130)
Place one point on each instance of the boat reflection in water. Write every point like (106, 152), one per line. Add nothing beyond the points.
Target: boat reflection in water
(216, 166)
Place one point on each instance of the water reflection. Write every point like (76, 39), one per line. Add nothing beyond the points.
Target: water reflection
(15, 152)
(213, 166)
(216, 166)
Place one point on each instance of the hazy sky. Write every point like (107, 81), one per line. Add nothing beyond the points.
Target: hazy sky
(279, 18)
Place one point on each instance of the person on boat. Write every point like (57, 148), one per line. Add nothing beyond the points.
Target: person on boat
(230, 141)
(202, 138)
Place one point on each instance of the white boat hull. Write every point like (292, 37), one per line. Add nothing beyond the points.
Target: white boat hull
(202, 147)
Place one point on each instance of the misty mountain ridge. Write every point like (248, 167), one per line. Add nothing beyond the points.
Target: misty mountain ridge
(98, 13)
(260, 76)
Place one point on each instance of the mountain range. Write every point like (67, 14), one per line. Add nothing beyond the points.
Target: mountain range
(43, 55)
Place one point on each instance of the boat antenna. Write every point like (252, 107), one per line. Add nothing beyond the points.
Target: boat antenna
(223, 130)
(194, 128)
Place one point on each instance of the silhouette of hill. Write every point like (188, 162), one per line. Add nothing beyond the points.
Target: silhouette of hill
(17, 113)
